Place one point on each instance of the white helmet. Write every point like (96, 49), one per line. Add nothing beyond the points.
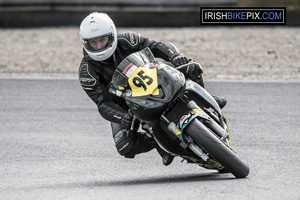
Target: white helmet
(94, 26)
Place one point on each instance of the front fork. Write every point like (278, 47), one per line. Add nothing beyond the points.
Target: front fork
(184, 140)
(194, 112)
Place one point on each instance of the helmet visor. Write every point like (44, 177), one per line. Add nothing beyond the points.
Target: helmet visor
(98, 44)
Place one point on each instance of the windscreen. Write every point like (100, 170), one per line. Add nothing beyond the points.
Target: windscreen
(130, 64)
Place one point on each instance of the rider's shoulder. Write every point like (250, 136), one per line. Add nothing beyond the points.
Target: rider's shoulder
(129, 38)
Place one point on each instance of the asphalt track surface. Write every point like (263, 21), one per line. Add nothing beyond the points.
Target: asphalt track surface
(54, 145)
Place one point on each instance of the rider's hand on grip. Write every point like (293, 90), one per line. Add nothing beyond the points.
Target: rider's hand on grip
(180, 59)
(195, 73)
(195, 69)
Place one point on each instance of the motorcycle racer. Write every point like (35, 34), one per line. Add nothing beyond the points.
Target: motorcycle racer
(103, 50)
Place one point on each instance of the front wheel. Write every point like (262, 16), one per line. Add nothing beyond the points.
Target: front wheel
(217, 149)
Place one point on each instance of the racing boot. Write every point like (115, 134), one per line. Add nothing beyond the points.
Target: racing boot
(132, 144)
(220, 100)
(167, 158)
(145, 143)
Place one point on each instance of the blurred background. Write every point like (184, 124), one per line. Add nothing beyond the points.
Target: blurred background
(139, 13)
(39, 38)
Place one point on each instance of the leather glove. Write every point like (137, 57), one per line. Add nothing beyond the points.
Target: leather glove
(126, 121)
(180, 59)
(192, 71)
(195, 70)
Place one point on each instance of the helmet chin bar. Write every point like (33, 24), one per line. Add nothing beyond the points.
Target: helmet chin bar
(103, 55)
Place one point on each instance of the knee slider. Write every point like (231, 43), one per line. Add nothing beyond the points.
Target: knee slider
(124, 143)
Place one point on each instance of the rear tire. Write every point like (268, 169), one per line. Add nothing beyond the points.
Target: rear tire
(217, 149)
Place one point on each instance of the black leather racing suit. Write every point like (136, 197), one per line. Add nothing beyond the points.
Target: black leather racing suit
(95, 76)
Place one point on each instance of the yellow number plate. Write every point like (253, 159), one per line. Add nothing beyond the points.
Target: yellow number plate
(143, 81)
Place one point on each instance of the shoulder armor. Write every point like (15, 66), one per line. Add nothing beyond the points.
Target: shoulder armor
(130, 38)
(85, 78)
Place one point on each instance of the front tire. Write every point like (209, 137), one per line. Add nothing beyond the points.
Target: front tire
(217, 149)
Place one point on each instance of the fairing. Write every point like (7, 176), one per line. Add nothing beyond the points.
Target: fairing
(147, 85)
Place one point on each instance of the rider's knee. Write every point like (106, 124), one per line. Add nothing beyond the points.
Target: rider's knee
(124, 144)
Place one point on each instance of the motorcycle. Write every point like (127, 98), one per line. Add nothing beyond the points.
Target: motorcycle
(183, 118)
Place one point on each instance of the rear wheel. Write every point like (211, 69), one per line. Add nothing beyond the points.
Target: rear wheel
(217, 149)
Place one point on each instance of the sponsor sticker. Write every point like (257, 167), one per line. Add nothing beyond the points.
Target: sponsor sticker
(184, 120)
(130, 69)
